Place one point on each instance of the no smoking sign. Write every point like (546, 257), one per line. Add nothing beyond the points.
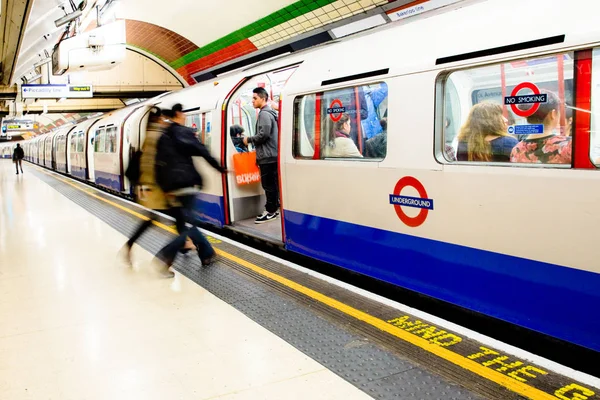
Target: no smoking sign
(534, 99)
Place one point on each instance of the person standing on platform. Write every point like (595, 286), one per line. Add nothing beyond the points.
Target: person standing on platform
(265, 141)
(18, 156)
(178, 178)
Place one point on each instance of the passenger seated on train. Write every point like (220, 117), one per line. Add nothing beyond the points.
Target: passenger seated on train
(549, 147)
(237, 136)
(450, 154)
(376, 147)
(484, 136)
(340, 143)
(569, 122)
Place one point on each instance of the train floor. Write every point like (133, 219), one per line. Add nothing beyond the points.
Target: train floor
(76, 322)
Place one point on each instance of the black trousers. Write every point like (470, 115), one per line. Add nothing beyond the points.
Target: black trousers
(269, 178)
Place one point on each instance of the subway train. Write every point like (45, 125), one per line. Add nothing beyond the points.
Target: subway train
(511, 240)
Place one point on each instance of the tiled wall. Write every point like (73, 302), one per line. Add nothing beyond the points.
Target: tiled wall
(188, 59)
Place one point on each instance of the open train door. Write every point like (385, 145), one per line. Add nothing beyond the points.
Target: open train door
(245, 201)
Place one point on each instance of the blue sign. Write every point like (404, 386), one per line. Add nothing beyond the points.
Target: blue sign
(526, 129)
(416, 202)
(336, 110)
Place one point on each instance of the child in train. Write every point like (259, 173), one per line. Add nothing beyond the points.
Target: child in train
(237, 136)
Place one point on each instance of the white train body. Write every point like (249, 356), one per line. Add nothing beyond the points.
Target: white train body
(513, 241)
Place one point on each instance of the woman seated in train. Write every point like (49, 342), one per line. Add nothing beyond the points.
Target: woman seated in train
(484, 136)
(340, 143)
(548, 147)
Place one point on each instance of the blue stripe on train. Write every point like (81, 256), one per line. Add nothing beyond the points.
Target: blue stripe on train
(78, 172)
(106, 179)
(558, 301)
(210, 209)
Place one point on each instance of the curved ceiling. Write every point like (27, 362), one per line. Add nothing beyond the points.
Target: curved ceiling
(191, 37)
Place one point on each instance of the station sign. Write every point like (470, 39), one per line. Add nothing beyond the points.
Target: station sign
(412, 9)
(19, 126)
(68, 91)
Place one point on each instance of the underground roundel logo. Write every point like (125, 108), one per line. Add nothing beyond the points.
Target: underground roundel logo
(335, 110)
(422, 202)
(534, 99)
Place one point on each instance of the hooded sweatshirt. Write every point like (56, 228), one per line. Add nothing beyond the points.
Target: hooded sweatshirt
(266, 138)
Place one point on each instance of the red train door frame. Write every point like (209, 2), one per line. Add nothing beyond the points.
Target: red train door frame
(225, 177)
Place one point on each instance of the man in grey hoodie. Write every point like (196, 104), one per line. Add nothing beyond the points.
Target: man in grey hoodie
(265, 141)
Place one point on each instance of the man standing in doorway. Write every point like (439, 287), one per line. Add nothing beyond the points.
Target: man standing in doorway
(18, 156)
(265, 141)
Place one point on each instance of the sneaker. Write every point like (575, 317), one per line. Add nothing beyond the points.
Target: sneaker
(266, 217)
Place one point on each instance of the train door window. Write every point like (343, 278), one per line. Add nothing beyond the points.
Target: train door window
(304, 126)
(100, 141)
(242, 115)
(80, 144)
(111, 139)
(517, 112)
(192, 121)
(206, 134)
(595, 117)
(346, 123)
(73, 139)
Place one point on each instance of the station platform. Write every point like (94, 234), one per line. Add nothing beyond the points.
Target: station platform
(77, 323)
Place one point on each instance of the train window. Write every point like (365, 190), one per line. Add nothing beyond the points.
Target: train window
(242, 116)
(73, 139)
(201, 124)
(111, 139)
(347, 123)
(100, 141)
(206, 134)
(304, 126)
(517, 112)
(80, 140)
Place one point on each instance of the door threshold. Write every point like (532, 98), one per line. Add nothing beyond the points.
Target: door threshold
(268, 232)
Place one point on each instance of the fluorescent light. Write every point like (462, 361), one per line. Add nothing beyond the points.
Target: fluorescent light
(358, 26)
(68, 18)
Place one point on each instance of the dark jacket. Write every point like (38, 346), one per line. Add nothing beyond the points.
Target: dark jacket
(376, 147)
(174, 165)
(266, 137)
(18, 154)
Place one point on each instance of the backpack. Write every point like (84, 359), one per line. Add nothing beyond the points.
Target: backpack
(133, 169)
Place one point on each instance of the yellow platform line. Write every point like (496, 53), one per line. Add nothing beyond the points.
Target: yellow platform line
(448, 355)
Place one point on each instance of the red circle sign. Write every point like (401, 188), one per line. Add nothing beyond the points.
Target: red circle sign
(413, 222)
(336, 102)
(534, 107)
